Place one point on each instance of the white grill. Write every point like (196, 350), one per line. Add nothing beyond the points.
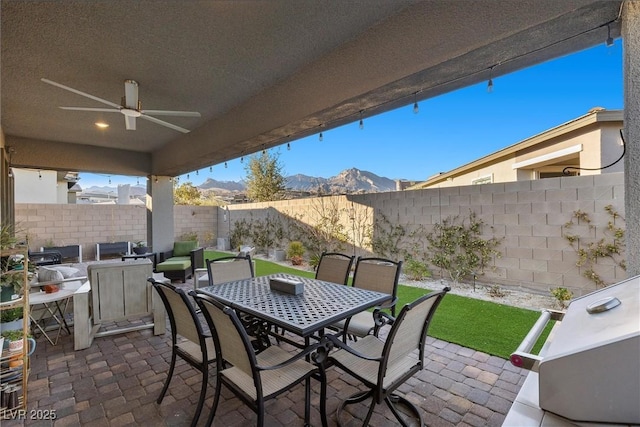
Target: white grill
(588, 371)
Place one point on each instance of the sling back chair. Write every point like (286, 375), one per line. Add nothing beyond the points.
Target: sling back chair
(189, 341)
(383, 366)
(374, 274)
(253, 377)
(334, 267)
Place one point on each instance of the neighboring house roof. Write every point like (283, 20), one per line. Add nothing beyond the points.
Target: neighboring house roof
(594, 115)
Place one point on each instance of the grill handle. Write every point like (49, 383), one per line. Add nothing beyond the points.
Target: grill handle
(521, 358)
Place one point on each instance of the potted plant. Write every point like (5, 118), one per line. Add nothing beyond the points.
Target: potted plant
(295, 252)
(7, 236)
(11, 319)
(11, 279)
(140, 247)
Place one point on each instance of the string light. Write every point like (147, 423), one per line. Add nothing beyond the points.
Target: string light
(137, 180)
(288, 146)
(197, 173)
(210, 168)
(320, 138)
(40, 176)
(609, 41)
(187, 177)
(109, 179)
(264, 150)
(225, 165)
(241, 159)
(416, 108)
(155, 179)
(361, 124)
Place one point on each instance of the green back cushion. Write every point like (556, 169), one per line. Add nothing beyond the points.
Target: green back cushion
(184, 248)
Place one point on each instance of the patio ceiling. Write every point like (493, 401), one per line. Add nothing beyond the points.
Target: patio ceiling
(260, 73)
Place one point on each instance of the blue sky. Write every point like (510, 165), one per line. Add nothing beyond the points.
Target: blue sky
(449, 130)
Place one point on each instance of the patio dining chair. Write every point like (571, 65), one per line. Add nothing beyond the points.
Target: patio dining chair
(334, 267)
(230, 269)
(253, 377)
(188, 339)
(374, 274)
(383, 366)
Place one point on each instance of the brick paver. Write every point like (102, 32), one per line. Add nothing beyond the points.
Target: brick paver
(116, 382)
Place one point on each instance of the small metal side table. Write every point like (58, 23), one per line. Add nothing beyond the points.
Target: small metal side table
(149, 255)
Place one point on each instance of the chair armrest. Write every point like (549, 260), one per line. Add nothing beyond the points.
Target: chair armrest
(329, 342)
(165, 255)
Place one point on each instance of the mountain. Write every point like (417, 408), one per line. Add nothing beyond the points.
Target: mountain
(212, 184)
(348, 181)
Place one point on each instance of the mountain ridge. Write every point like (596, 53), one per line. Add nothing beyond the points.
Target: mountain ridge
(350, 181)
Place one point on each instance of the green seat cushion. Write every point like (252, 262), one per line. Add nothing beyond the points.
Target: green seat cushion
(184, 248)
(174, 264)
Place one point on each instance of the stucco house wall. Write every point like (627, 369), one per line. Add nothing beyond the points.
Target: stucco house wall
(591, 141)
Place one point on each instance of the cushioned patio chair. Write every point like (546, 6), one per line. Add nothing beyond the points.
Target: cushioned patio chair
(188, 339)
(254, 378)
(181, 262)
(334, 267)
(374, 274)
(383, 366)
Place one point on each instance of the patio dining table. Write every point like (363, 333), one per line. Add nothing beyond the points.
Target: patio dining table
(320, 305)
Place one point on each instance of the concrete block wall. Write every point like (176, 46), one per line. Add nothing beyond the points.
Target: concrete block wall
(528, 216)
(87, 225)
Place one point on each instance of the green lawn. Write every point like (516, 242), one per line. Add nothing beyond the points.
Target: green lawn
(492, 328)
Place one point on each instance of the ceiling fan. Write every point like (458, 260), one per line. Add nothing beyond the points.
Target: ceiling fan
(130, 106)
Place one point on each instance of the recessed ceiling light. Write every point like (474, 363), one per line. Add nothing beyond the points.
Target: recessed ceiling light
(102, 125)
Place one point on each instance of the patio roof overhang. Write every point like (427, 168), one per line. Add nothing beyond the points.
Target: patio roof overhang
(260, 73)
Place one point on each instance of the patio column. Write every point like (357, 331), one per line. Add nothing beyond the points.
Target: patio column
(631, 76)
(160, 229)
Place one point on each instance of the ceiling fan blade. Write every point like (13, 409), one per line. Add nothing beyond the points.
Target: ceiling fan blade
(171, 113)
(86, 95)
(102, 110)
(130, 122)
(131, 94)
(163, 123)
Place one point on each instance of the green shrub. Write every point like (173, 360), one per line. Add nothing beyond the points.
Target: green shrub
(295, 252)
(562, 295)
(416, 270)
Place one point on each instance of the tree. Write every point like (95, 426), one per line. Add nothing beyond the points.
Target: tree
(186, 194)
(265, 181)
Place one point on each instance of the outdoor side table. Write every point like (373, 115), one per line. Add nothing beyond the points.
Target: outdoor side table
(55, 304)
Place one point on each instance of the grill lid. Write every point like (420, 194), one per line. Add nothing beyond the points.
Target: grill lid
(591, 370)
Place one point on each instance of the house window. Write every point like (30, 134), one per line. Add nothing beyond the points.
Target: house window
(487, 179)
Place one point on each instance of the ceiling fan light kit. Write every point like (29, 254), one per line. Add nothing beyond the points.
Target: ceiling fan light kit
(130, 107)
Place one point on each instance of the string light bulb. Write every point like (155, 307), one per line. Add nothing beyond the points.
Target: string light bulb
(264, 150)
(210, 168)
(490, 82)
(197, 173)
(155, 179)
(609, 41)
(109, 179)
(288, 146)
(320, 138)
(241, 159)
(416, 108)
(361, 124)
(187, 177)
(40, 176)
(225, 165)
